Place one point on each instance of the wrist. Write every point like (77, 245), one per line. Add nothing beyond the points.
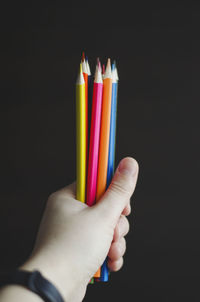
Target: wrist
(61, 278)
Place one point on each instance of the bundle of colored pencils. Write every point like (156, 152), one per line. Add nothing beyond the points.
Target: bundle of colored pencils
(95, 153)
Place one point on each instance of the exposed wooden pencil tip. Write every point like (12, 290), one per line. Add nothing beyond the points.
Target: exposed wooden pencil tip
(88, 67)
(108, 63)
(108, 73)
(80, 78)
(98, 75)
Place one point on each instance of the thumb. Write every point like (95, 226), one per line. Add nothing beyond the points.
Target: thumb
(120, 190)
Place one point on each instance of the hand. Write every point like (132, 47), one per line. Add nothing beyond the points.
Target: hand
(74, 239)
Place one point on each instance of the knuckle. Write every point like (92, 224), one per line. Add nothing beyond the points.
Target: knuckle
(54, 201)
(121, 188)
(51, 197)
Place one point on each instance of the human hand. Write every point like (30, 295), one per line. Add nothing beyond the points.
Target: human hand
(74, 239)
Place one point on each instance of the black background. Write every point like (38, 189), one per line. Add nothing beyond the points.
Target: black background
(157, 49)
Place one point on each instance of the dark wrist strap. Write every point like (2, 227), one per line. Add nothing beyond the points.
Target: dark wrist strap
(33, 281)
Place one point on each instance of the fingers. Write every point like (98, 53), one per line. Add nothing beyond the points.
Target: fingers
(127, 209)
(120, 190)
(115, 266)
(65, 192)
(121, 229)
(118, 246)
(69, 190)
(117, 249)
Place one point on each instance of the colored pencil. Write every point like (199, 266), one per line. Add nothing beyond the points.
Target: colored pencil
(103, 71)
(80, 137)
(94, 138)
(95, 165)
(117, 78)
(88, 67)
(104, 132)
(90, 92)
(116, 73)
(83, 56)
(85, 75)
(104, 140)
(94, 142)
(111, 154)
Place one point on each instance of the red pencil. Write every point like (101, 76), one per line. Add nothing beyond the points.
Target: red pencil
(94, 138)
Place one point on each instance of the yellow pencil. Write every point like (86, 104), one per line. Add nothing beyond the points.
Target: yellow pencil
(80, 137)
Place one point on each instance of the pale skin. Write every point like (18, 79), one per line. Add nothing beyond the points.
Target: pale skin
(68, 251)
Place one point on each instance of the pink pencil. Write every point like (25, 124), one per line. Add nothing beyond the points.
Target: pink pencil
(94, 138)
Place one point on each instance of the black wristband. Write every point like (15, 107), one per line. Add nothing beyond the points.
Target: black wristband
(33, 281)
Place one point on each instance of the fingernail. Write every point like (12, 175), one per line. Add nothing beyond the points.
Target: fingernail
(127, 167)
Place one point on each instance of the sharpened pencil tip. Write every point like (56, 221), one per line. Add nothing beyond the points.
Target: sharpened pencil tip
(99, 65)
(83, 56)
(103, 69)
(88, 67)
(98, 75)
(84, 67)
(108, 73)
(108, 63)
(80, 78)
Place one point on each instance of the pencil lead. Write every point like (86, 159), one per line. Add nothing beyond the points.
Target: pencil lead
(83, 56)
(103, 69)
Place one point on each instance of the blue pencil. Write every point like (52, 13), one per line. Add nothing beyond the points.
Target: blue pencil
(111, 153)
(113, 118)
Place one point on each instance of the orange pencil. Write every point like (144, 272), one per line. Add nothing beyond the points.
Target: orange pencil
(104, 132)
(104, 137)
